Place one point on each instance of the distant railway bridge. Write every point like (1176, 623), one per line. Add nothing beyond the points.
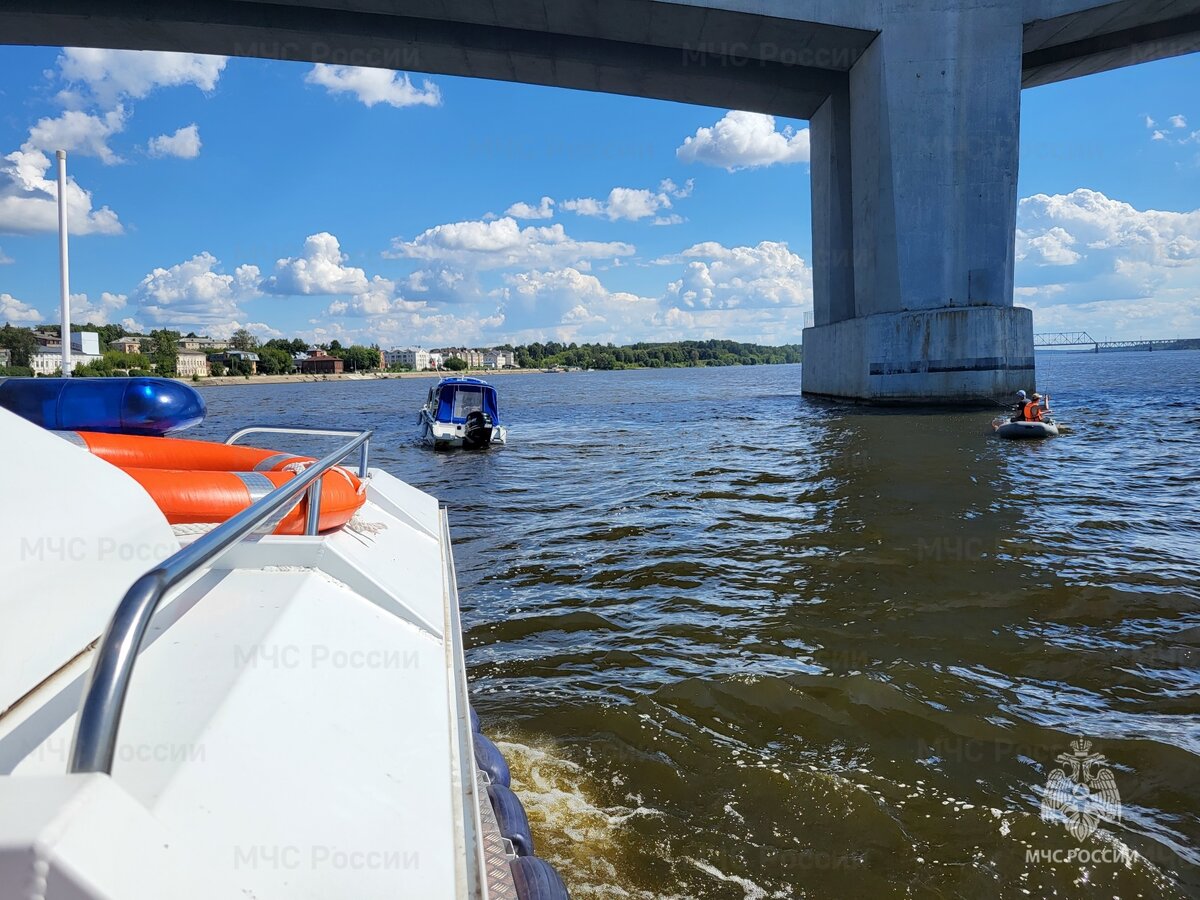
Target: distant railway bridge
(1083, 339)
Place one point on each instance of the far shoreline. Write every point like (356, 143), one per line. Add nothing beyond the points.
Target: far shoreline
(231, 380)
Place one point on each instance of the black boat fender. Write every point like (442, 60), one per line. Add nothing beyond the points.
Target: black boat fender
(510, 816)
(536, 879)
(489, 758)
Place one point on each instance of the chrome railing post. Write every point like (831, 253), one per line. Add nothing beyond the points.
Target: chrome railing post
(107, 681)
(312, 523)
(364, 457)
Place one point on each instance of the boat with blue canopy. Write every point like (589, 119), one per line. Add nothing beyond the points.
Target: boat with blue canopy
(462, 412)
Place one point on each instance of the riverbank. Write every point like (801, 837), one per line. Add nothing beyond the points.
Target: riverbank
(226, 380)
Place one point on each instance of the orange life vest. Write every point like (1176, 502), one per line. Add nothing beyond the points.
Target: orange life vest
(1032, 411)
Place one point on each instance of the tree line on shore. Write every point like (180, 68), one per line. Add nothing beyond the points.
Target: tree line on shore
(160, 352)
(651, 355)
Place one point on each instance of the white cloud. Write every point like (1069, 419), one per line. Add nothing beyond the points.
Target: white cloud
(567, 304)
(373, 86)
(378, 300)
(748, 293)
(260, 330)
(78, 132)
(745, 140)
(1050, 248)
(319, 269)
(5, 259)
(194, 293)
(630, 204)
(13, 310)
(634, 204)
(444, 284)
(113, 74)
(1150, 123)
(1158, 136)
(669, 187)
(502, 243)
(543, 210)
(100, 313)
(29, 200)
(719, 277)
(1178, 121)
(1099, 264)
(184, 143)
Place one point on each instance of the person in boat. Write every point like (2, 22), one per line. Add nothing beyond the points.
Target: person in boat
(1019, 409)
(1029, 409)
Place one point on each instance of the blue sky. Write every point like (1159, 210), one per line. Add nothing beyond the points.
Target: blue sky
(363, 205)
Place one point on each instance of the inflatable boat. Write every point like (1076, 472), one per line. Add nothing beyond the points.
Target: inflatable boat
(1027, 430)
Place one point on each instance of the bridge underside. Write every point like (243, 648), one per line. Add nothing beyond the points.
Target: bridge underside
(914, 106)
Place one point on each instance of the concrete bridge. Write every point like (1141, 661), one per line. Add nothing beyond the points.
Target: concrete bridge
(914, 109)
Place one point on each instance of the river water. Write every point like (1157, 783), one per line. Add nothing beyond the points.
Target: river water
(739, 644)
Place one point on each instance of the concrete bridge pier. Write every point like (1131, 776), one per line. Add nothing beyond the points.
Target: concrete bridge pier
(914, 199)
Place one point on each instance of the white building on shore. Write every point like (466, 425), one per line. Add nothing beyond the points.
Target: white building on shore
(415, 358)
(203, 343)
(191, 362)
(473, 358)
(498, 359)
(85, 348)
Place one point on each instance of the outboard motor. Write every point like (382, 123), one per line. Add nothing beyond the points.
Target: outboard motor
(478, 431)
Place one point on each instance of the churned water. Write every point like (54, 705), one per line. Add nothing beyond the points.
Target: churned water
(740, 644)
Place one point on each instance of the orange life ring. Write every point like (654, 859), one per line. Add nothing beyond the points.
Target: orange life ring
(142, 452)
(204, 482)
(188, 496)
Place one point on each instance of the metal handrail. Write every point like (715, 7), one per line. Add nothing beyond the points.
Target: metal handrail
(107, 681)
(364, 455)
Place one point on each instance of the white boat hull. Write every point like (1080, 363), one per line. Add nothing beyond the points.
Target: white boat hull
(446, 436)
(298, 724)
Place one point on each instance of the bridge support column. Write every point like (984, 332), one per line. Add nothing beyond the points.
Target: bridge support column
(914, 173)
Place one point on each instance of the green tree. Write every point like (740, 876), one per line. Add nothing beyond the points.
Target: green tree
(97, 368)
(292, 347)
(164, 351)
(217, 369)
(243, 340)
(20, 342)
(240, 366)
(115, 359)
(359, 358)
(274, 361)
(454, 364)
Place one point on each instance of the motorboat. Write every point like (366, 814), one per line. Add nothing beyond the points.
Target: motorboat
(235, 708)
(462, 412)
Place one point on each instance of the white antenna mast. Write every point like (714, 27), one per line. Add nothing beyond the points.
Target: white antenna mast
(64, 274)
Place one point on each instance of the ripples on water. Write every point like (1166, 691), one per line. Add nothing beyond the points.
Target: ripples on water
(737, 643)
